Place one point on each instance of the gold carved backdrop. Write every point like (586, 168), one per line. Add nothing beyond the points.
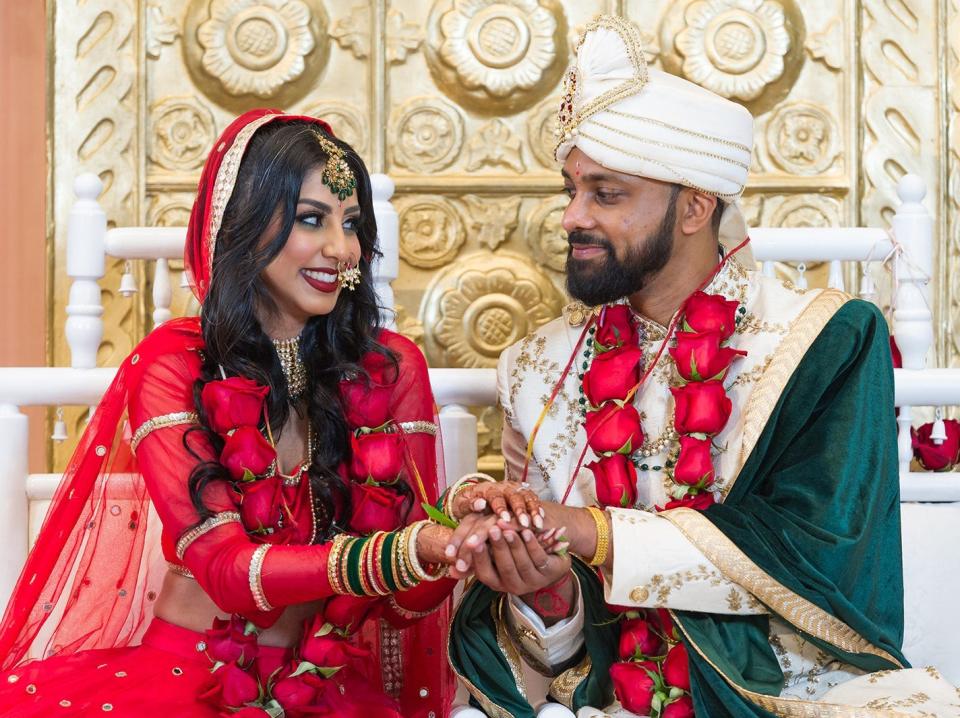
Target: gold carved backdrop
(455, 100)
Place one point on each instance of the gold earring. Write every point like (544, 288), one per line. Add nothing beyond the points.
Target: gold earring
(348, 275)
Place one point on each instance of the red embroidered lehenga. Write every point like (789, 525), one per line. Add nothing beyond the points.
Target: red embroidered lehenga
(122, 517)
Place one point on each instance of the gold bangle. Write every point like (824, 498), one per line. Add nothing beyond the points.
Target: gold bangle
(416, 568)
(400, 551)
(254, 577)
(603, 536)
(462, 483)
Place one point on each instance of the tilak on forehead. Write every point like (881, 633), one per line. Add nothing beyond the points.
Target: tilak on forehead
(638, 120)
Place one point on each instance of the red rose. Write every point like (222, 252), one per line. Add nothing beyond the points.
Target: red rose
(694, 464)
(637, 639)
(246, 449)
(366, 403)
(347, 612)
(328, 651)
(616, 480)
(634, 686)
(612, 429)
(676, 667)
(612, 375)
(935, 457)
(376, 457)
(375, 508)
(700, 357)
(232, 402)
(261, 503)
(698, 502)
(231, 686)
(616, 327)
(680, 708)
(701, 408)
(711, 313)
(294, 692)
(665, 624)
(227, 642)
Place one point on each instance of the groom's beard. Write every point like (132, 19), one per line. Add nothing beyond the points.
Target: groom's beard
(606, 279)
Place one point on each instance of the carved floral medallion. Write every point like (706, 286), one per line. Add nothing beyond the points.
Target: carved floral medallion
(544, 234)
(347, 122)
(803, 138)
(429, 134)
(431, 231)
(496, 55)
(476, 308)
(182, 132)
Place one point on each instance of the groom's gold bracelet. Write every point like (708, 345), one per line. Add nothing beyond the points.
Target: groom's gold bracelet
(603, 536)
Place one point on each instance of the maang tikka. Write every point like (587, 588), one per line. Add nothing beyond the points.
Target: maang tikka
(336, 174)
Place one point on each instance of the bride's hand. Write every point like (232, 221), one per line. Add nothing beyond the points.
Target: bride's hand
(431, 543)
(505, 499)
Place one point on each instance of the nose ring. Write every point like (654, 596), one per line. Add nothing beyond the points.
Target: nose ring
(348, 275)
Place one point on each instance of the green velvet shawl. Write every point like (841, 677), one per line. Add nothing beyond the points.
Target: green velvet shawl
(814, 514)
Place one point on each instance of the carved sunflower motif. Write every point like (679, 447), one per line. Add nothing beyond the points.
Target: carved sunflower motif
(734, 47)
(256, 46)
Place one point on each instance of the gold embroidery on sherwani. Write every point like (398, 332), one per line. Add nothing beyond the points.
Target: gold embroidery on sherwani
(737, 566)
(790, 707)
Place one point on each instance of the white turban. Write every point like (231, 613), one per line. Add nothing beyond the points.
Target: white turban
(645, 122)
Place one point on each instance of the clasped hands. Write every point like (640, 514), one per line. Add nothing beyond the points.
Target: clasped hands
(504, 539)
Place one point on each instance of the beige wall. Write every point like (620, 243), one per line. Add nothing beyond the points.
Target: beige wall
(23, 171)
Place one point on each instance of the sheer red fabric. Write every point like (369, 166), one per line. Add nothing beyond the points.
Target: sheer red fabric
(95, 571)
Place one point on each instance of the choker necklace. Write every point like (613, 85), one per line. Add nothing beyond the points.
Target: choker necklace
(294, 371)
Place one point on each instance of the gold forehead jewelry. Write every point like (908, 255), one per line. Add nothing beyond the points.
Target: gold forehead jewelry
(348, 275)
(337, 174)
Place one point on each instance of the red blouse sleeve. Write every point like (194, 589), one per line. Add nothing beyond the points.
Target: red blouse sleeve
(220, 557)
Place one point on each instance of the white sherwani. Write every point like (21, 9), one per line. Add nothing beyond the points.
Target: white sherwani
(676, 574)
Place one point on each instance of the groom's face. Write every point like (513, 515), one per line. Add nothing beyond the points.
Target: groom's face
(620, 229)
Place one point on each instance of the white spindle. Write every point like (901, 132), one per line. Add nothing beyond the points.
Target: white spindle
(128, 285)
(769, 269)
(868, 288)
(13, 496)
(835, 279)
(162, 292)
(459, 429)
(904, 440)
(913, 229)
(387, 267)
(86, 233)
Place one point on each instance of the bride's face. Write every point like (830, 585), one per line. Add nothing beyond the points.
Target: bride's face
(302, 278)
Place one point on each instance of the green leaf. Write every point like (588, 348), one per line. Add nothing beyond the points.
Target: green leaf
(248, 475)
(250, 629)
(217, 666)
(328, 672)
(325, 629)
(693, 369)
(675, 692)
(624, 499)
(304, 667)
(657, 703)
(627, 448)
(438, 516)
(274, 709)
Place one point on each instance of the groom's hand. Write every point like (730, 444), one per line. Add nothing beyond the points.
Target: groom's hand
(516, 563)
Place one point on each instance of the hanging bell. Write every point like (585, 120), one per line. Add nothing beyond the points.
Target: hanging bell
(801, 282)
(59, 427)
(128, 285)
(186, 279)
(939, 432)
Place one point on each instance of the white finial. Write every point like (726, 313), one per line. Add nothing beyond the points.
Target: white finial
(87, 186)
(911, 189)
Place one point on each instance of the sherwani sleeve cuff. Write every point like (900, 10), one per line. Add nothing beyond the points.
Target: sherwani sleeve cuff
(656, 566)
(550, 646)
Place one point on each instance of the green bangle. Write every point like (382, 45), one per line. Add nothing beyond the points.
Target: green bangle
(353, 567)
(386, 561)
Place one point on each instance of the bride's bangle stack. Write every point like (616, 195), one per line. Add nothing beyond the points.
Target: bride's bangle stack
(379, 564)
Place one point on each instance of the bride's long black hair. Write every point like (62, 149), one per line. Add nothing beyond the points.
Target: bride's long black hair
(268, 185)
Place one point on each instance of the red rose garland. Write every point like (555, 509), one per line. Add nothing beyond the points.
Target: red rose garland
(233, 408)
(652, 676)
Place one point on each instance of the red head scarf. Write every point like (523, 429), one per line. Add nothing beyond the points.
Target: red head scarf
(216, 185)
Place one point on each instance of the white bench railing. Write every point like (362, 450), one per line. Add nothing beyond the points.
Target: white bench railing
(89, 242)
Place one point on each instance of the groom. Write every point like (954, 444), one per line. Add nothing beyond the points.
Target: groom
(717, 443)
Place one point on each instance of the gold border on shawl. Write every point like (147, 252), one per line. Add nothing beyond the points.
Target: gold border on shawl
(506, 644)
(791, 707)
(763, 400)
(737, 567)
(565, 685)
(489, 707)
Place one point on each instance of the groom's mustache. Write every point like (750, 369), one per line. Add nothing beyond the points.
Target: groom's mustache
(582, 239)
